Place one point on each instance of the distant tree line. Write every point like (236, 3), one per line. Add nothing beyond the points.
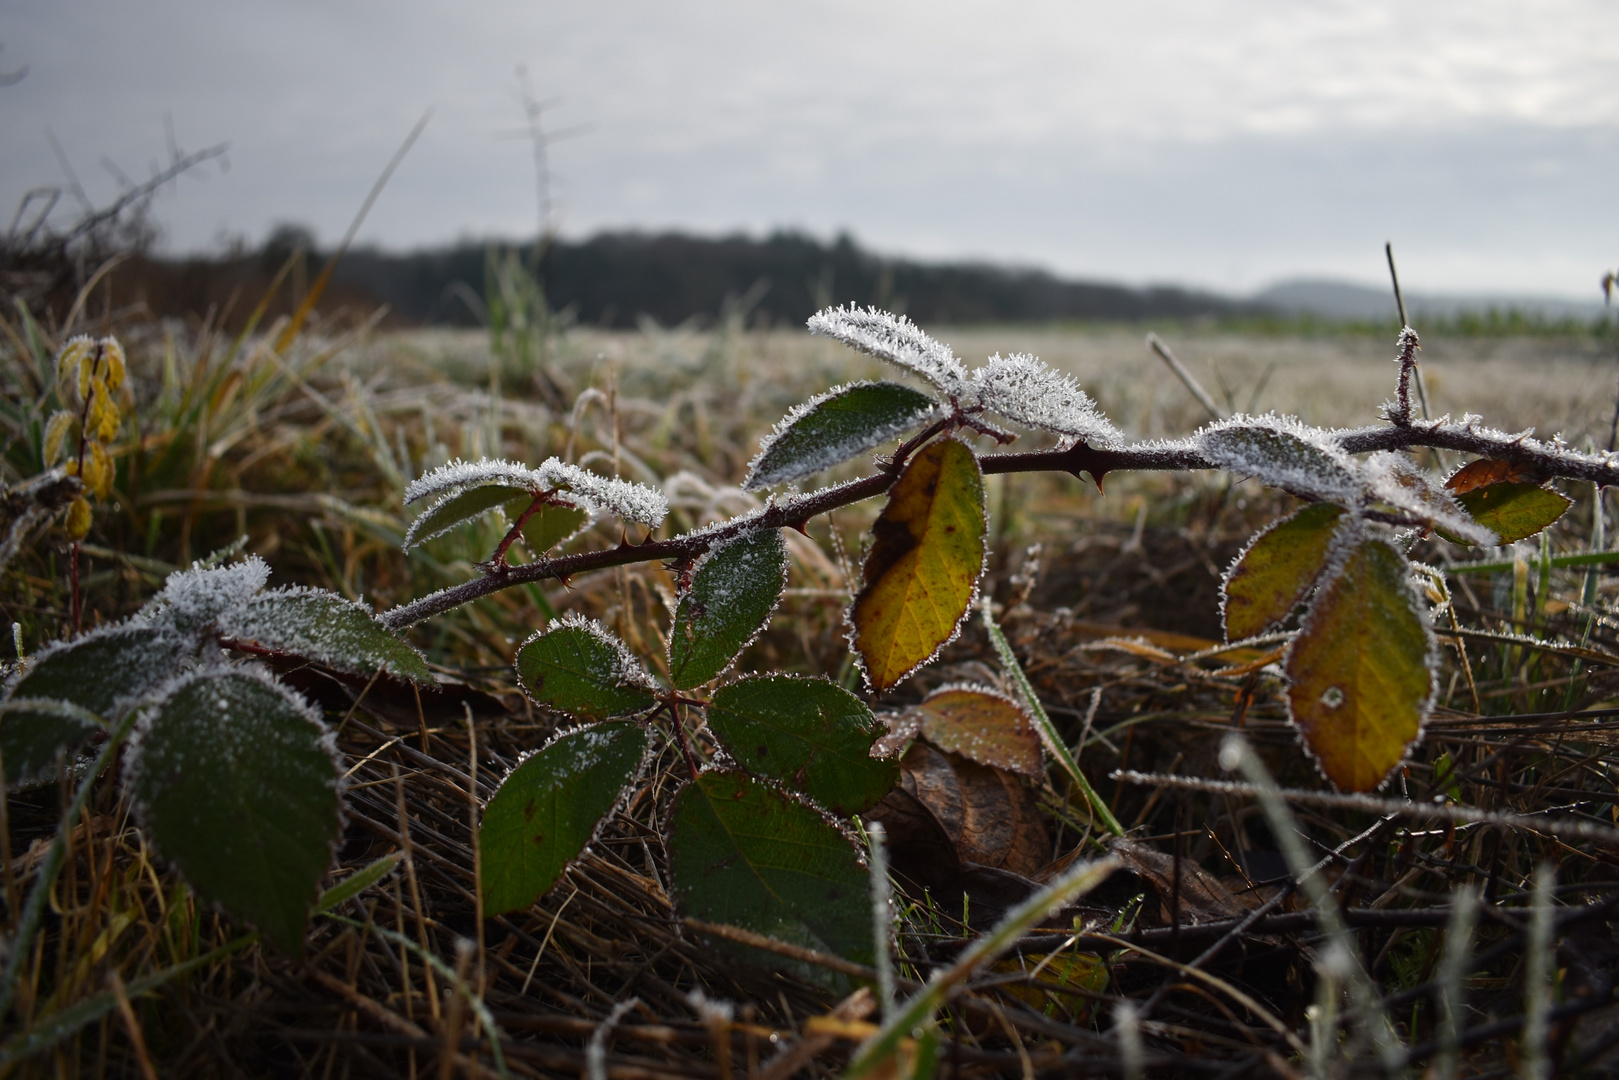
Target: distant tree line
(614, 279)
(617, 279)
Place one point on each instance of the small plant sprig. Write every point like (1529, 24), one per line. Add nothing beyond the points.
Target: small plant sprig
(233, 775)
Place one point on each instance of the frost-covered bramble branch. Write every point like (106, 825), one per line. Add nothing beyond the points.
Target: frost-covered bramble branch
(1310, 462)
(1549, 459)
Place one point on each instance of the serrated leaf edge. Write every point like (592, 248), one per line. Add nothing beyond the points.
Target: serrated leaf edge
(754, 482)
(260, 674)
(122, 704)
(293, 591)
(1253, 542)
(630, 671)
(764, 624)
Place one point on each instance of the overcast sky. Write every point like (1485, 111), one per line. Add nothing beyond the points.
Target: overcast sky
(1221, 143)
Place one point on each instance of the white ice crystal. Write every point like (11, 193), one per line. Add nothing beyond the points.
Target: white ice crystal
(1283, 453)
(1025, 391)
(459, 475)
(198, 596)
(1395, 479)
(832, 446)
(623, 498)
(896, 339)
(625, 669)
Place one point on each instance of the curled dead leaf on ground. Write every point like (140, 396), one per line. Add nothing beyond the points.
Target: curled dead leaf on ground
(960, 828)
(981, 725)
(1202, 896)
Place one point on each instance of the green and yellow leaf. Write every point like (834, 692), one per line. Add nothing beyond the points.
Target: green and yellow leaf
(1513, 511)
(1359, 673)
(922, 570)
(1276, 571)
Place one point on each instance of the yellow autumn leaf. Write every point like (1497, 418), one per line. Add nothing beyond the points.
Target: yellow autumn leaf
(98, 471)
(78, 519)
(1275, 571)
(923, 566)
(1359, 678)
(56, 430)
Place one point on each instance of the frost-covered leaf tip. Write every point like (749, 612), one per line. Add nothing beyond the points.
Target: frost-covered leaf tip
(193, 598)
(896, 339)
(1283, 453)
(622, 498)
(458, 475)
(324, 627)
(580, 667)
(1025, 391)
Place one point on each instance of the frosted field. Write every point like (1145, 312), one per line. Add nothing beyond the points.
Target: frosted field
(733, 386)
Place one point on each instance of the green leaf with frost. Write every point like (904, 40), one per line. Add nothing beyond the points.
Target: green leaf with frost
(549, 807)
(579, 667)
(102, 673)
(732, 593)
(236, 780)
(1512, 512)
(747, 854)
(324, 627)
(836, 426)
(548, 526)
(460, 508)
(810, 734)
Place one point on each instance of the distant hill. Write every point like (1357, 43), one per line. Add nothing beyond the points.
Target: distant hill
(1341, 300)
(614, 279)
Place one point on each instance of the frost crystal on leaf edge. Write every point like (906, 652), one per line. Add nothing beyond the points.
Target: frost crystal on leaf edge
(1304, 474)
(835, 454)
(1026, 391)
(627, 670)
(893, 338)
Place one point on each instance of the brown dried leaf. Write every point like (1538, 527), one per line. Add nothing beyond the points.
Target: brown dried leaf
(983, 726)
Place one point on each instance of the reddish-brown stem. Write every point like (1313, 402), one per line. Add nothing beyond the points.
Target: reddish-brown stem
(84, 436)
(1408, 363)
(498, 560)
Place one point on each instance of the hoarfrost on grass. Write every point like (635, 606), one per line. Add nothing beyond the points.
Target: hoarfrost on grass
(1283, 453)
(1025, 391)
(896, 339)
